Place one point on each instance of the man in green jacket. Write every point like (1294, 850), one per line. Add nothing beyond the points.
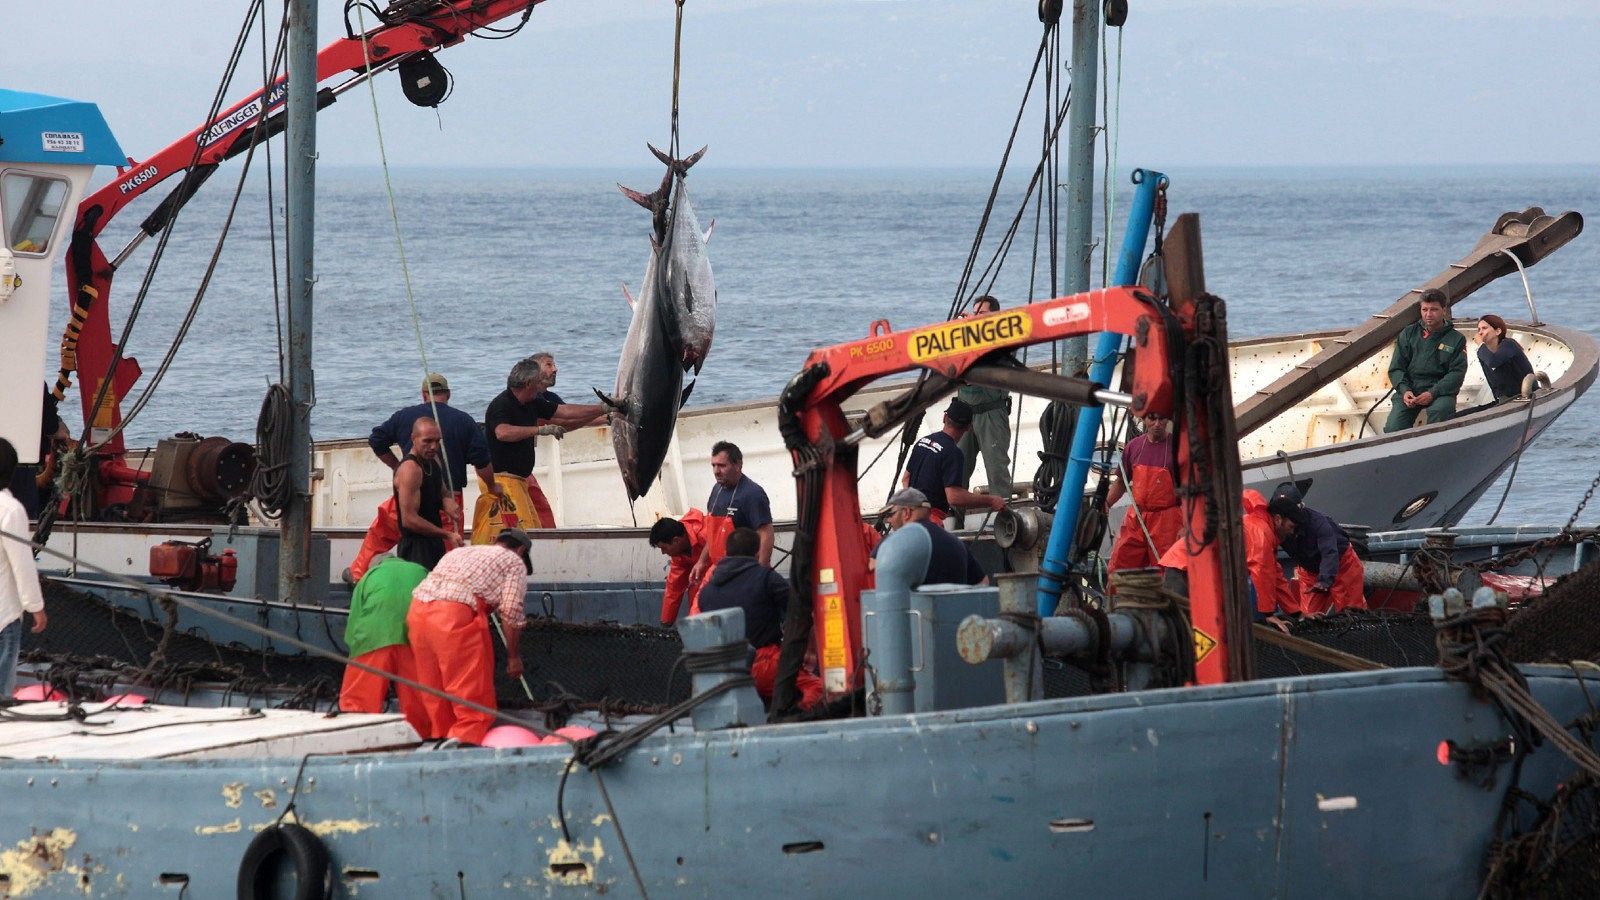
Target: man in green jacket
(1429, 364)
(376, 635)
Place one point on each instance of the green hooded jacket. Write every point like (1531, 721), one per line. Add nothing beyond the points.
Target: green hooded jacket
(1436, 363)
(379, 605)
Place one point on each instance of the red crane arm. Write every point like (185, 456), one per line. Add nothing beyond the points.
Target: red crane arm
(838, 570)
(87, 345)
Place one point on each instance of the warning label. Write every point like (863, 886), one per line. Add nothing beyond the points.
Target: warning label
(1203, 644)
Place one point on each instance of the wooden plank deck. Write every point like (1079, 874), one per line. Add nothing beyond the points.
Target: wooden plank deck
(181, 732)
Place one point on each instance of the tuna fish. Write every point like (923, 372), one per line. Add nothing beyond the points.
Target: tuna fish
(673, 321)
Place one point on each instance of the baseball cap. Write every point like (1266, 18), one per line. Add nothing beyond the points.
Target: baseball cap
(1286, 502)
(959, 411)
(521, 539)
(435, 383)
(910, 497)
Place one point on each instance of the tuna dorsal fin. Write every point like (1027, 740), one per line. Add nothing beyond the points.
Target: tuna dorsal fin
(680, 166)
(706, 238)
(685, 396)
(626, 293)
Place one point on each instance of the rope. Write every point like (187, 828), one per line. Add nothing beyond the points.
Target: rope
(399, 239)
(1516, 460)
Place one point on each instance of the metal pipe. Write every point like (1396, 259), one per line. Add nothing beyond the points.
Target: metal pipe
(300, 162)
(1077, 391)
(1080, 166)
(1056, 563)
(1024, 672)
(902, 564)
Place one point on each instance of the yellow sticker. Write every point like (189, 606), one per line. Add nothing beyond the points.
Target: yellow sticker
(833, 631)
(1203, 644)
(967, 335)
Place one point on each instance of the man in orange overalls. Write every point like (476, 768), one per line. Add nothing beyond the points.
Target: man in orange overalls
(1328, 573)
(682, 541)
(448, 626)
(735, 502)
(1147, 462)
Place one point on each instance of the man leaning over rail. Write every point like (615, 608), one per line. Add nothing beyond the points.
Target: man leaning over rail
(448, 626)
(376, 635)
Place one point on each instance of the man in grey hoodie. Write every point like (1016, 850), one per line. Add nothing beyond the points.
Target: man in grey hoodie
(739, 580)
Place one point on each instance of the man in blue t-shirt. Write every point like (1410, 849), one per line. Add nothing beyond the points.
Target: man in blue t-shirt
(735, 502)
(935, 467)
(949, 560)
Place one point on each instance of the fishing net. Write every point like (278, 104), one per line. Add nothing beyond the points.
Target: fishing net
(1561, 624)
(93, 648)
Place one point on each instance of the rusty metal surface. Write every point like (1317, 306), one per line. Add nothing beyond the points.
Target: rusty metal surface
(1531, 235)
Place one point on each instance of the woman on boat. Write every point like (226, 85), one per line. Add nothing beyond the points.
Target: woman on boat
(1504, 364)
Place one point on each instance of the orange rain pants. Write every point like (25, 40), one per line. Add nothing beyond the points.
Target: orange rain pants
(765, 673)
(1348, 592)
(1157, 500)
(364, 692)
(453, 653)
(384, 533)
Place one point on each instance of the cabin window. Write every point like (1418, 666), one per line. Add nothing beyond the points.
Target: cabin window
(31, 207)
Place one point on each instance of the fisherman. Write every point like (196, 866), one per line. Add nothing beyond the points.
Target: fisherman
(449, 630)
(1328, 573)
(419, 499)
(1154, 521)
(512, 427)
(1273, 595)
(682, 541)
(1504, 363)
(375, 632)
(936, 463)
(949, 562)
(991, 425)
(739, 580)
(547, 368)
(19, 578)
(1428, 366)
(735, 502)
(463, 444)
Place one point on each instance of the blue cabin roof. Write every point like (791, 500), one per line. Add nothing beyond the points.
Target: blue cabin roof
(35, 128)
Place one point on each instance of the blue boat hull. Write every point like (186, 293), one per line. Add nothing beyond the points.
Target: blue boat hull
(1326, 786)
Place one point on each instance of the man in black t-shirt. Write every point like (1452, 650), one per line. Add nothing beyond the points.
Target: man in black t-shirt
(949, 560)
(547, 368)
(935, 467)
(512, 425)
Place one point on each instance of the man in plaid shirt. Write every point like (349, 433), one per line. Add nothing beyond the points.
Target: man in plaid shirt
(448, 626)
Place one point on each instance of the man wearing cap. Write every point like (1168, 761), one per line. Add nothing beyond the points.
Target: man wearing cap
(1154, 521)
(682, 541)
(513, 426)
(375, 632)
(936, 463)
(949, 561)
(448, 626)
(1428, 366)
(463, 444)
(990, 435)
(1328, 573)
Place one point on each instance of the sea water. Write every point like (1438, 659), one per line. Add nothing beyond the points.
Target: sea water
(503, 263)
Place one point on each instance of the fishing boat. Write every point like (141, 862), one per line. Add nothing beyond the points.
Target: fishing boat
(958, 776)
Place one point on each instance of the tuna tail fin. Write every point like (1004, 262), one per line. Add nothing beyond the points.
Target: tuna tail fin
(651, 201)
(620, 406)
(679, 166)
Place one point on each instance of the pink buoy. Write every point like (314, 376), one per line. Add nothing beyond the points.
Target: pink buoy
(37, 693)
(510, 736)
(576, 732)
(128, 700)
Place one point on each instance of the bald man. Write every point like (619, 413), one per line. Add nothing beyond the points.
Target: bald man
(419, 494)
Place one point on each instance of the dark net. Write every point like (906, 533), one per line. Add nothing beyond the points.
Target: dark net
(1560, 625)
(91, 646)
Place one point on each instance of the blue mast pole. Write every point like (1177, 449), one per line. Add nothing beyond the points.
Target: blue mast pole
(1058, 553)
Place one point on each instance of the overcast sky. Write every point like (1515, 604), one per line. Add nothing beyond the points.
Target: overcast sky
(812, 83)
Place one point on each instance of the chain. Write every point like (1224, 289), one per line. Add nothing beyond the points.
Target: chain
(1523, 554)
(1587, 496)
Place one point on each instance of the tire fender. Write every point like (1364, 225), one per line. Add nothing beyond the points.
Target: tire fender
(313, 868)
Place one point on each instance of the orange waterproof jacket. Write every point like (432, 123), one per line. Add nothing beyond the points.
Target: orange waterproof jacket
(694, 522)
(1261, 557)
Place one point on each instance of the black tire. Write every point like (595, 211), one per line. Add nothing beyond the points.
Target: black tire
(313, 868)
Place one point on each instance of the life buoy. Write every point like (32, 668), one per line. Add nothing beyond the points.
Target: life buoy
(313, 869)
